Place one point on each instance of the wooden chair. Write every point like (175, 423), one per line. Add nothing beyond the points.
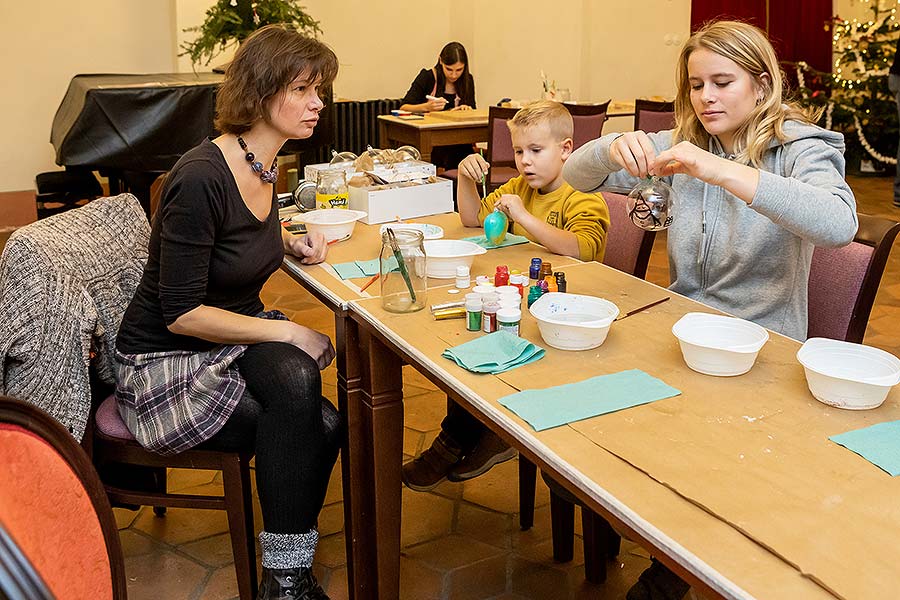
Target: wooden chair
(54, 510)
(500, 153)
(588, 120)
(110, 443)
(651, 116)
(58, 191)
(627, 249)
(93, 230)
(843, 281)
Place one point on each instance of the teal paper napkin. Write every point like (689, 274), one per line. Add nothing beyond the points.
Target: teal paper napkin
(878, 444)
(509, 240)
(348, 270)
(494, 353)
(361, 268)
(551, 407)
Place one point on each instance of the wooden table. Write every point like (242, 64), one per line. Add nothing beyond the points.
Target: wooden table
(733, 484)
(466, 127)
(373, 545)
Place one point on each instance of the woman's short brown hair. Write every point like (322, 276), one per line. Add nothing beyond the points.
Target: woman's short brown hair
(265, 64)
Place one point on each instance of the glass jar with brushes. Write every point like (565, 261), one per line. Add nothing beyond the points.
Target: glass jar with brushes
(404, 282)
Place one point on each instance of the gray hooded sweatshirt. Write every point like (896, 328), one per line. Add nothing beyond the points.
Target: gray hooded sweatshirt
(753, 261)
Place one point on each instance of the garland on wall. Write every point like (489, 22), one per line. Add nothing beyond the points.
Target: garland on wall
(855, 96)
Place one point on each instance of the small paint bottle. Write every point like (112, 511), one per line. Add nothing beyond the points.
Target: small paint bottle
(508, 320)
(544, 286)
(551, 283)
(463, 281)
(501, 276)
(507, 289)
(483, 280)
(546, 270)
(489, 315)
(520, 281)
(560, 281)
(534, 271)
(473, 314)
(534, 292)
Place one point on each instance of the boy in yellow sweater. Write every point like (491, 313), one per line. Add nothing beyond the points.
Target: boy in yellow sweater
(546, 210)
(541, 205)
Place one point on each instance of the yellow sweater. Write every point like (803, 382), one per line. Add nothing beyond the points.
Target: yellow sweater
(585, 215)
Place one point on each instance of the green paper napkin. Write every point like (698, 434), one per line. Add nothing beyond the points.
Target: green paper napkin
(362, 268)
(348, 270)
(878, 444)
(510, 240)
(551, 407)
(494, 353)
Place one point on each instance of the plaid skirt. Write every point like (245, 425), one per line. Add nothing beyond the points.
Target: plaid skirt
(172, 401)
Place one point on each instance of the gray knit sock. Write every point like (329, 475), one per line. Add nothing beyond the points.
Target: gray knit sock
(288, 550)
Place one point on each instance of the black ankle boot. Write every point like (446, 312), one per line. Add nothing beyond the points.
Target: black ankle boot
(290, 584)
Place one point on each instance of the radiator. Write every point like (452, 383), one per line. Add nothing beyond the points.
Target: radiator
(355, 125)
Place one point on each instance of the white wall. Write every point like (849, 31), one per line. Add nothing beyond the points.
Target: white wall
(45, 43)
(598, 50)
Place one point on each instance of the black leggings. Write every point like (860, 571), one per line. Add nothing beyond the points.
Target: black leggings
(295, 432)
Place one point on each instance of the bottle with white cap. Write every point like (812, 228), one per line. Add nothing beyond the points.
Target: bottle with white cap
(508, 320)
(463, 281)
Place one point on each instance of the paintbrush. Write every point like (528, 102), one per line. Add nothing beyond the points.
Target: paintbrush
(641, 308)
(401, 264)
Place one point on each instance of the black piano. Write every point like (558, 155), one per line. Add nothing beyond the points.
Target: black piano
(132, 128)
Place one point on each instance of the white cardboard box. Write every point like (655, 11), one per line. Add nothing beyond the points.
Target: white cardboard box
(386, 203)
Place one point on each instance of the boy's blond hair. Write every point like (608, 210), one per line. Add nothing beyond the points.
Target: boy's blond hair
(553, 114)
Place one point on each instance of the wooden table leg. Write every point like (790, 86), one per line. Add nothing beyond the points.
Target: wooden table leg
(373, 480)
(425, 145)
(349, 403)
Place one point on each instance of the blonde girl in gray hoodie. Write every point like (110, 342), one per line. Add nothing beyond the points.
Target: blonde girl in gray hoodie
(758, 187)
(758, 184)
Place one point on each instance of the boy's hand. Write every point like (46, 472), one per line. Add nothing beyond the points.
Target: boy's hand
(511, 205)
(474, 167)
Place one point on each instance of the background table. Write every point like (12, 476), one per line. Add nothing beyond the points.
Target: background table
(431, 131)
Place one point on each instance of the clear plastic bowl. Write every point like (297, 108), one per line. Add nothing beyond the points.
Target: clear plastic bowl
(573, 321)
(847, 375)
(719, 345)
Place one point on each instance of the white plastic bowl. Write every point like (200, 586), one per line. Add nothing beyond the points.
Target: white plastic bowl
(572, 321)
(443, 256)
(848, 375)
(719, 345)
(333, 223)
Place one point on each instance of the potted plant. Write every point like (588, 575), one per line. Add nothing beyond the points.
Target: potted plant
(228, 22)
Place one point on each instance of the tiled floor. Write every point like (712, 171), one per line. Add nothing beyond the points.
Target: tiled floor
(462, 541)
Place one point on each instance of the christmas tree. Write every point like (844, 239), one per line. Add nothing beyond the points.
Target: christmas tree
(855, 96)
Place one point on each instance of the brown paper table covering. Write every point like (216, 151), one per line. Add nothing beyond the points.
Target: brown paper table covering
(751, 453)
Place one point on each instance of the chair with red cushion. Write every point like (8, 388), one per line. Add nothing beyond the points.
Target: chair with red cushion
(54, 509)
(651, 116)
(843, 281)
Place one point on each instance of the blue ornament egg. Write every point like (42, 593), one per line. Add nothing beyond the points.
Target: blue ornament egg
(495, 225)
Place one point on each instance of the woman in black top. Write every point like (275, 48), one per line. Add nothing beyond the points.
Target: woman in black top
(448, 85)
(199, 362)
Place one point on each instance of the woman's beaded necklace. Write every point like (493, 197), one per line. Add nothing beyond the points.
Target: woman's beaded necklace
(270, 176)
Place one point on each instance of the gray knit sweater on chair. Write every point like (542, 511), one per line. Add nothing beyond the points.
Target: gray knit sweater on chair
(65, 283)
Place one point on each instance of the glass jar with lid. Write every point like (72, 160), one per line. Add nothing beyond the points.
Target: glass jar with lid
(331, 189)
(404, 282)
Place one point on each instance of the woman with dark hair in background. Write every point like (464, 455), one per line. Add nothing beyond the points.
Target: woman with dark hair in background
(448, 85)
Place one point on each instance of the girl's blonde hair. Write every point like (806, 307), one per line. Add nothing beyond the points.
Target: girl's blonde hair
(749, 47)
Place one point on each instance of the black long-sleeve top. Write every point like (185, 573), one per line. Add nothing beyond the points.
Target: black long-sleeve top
(206, 247)
(423, 85)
